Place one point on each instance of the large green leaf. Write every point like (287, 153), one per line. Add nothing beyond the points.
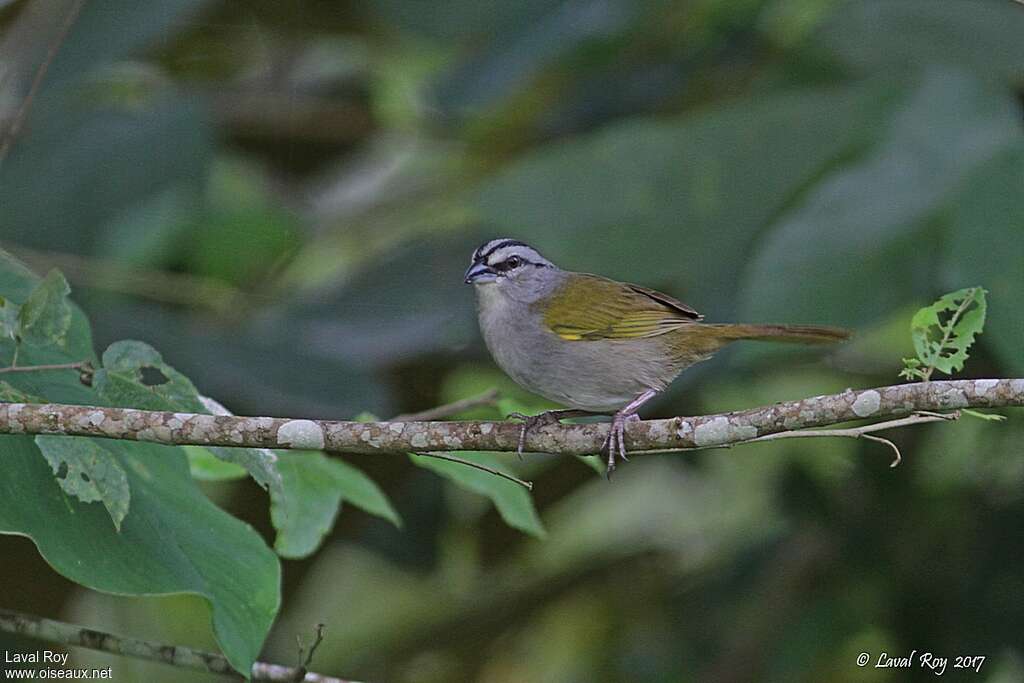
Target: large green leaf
(513, 502)
(678, 202)
(45, 316)
(864, 241)
(315, 486)
(173, 540)
(305, 491)
(16, 280)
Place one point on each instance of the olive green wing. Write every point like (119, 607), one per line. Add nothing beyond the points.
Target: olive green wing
(588, 308)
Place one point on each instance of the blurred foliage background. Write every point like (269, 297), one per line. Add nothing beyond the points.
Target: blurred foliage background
(282, 198)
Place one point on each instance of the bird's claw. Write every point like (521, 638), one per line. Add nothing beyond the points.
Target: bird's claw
(530, 422)
(615, 444)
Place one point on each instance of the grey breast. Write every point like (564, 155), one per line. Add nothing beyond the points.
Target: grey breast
(599, 376)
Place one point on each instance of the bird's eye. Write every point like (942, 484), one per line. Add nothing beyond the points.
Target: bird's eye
(514, 262)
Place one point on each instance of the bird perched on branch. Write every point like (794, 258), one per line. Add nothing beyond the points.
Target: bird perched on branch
(595, 345)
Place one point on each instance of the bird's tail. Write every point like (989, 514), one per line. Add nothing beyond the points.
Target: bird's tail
(797, 334)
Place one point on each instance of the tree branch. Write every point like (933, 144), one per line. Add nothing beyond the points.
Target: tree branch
(175, 655)
(370, 438)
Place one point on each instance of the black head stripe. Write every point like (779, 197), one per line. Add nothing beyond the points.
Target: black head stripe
(492, 247)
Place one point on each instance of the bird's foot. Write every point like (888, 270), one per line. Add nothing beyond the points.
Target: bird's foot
(615, 444)
(548, 417)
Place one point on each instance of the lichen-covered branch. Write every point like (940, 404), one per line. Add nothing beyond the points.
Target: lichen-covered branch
(568, 439)
(182, 657)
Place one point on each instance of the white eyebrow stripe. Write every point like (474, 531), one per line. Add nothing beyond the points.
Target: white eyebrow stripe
(527, 254)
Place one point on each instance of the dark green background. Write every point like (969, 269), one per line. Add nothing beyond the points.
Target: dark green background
(282, 198)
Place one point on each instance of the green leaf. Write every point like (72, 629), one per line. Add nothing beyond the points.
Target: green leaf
(206, 466)
(86, 470)
(944, 332)
(305, 513)
(173, 541)
(45, 316)
(593, 463)
(260, 463)
(11, 394)
(514, 503)
(134, 374)
(314, 486)
(16, 280)
(912, 369)
(988, 417)
(359, 490)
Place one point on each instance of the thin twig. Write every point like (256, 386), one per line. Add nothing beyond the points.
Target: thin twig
(37, 81)
(528, 485)
(36, 368)
(61, 632)
(863, 432)
(488, 398)
(305, 658)
(866, 431)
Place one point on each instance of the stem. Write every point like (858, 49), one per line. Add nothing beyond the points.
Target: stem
(34, 368)
(528, 485)
(866, 431)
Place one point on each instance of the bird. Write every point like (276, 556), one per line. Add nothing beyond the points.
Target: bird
(596, 345)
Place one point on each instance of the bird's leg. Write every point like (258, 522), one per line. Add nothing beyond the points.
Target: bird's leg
(545, 418)
(616, 441)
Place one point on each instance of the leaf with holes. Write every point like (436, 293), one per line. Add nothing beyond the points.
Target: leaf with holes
(173, 539)
(89, 472)
(135, 375)
(944, 332)
(45, 316)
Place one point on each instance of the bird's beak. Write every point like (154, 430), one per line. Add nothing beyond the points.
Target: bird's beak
(479, 273)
